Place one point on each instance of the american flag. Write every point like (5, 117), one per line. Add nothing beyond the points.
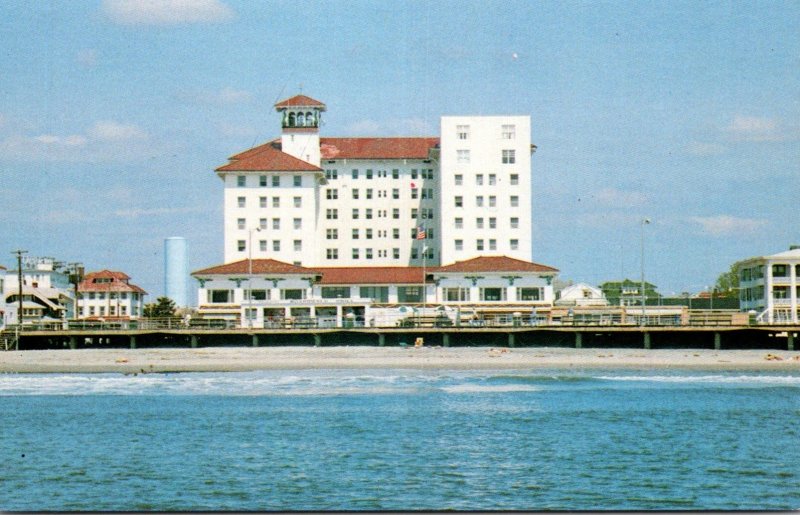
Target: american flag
(421, 232)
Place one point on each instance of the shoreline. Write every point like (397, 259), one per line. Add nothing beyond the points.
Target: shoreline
(240, 359)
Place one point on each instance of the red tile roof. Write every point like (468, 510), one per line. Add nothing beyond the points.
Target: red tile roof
(376, 148)
(260, 266)
(299, 101)
(493, 264)
(266, 158)
(371, 275)
(118, 282)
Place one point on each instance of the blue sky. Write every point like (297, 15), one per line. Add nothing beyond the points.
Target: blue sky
(114, 114)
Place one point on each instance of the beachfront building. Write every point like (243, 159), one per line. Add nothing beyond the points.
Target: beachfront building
(109, 295)
(629, 293)
(46, 292)
(581, 294)
(770, 286)
(270, 293)
(398, 201)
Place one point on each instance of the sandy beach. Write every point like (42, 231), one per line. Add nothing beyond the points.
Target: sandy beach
(464, 358)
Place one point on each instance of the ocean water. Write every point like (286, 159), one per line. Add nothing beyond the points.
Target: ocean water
(401, 440)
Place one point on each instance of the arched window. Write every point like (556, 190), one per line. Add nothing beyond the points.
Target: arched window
(301, 120)
(310, 120)
(291, 120)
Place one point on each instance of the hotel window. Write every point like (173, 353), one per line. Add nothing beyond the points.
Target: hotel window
(355, 213)
(429, 233)
(409, 294)
(331, 175)
(515, 222)
(276, 245)
(462, 131)
(479, 222)
(414, 193)
(514, 179)
(355, 253)
(414, 212)
(427, 174)
(335, 292)
(241, 201)
(369, 234)
(395, 193)
(462, 156)
(395, 173)
(479, 201)
(256, 294)
(368, 213)
(427, 193)
(529, 294)
(276, 181)
(396, 233)
(240, 223)
(459, 201)
(369, 174)
(332, 253)
(241, 245)
(262, 202)
(262, 245)
(492, 179)
(354, 191)
(427, 213)
(368, 253)
(414, 173)
(479, 244)
(493, 294)
(509, 157)
(332, 234)
(492, 223)
(456, 294)
(298, 180)
(332, 214)
(276, 202)
(459, 223)
(331, 194)
(514, 244)
(459, 245)
(298, 202)
(354, 174)
(91, 310)
(298, 223)
(509, 131)
(780, 271)
(354, 234)
(395, 253)
(219, 296)
(414, 253)
(492, 201)
(459, 179)
(514, 201)
(241, 181)
(479, 179)
(396, 213)
(492, 244)
(293, 294)
(369, 193)
(276, 224)
(262, 180)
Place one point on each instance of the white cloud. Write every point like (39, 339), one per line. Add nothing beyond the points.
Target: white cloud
(757, 129)
(113, 131)
(166, 12)
(619, 198)
(725, 225)
(704, 149)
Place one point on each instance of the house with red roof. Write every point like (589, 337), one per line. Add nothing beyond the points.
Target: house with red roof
(109, 295)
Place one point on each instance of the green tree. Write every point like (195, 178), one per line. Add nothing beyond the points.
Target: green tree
(163, 307)
(728, 282)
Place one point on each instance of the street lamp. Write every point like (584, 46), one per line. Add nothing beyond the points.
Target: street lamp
(645, 221)
(249, 312)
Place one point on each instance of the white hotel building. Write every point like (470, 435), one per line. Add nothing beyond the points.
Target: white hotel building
(770, 285)
(314, 202)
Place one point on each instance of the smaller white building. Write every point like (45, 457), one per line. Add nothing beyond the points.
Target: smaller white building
(46, 292)
(770, 285)
(581, 294)
(109, 295)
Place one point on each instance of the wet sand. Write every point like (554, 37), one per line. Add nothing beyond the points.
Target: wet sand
(464, 358)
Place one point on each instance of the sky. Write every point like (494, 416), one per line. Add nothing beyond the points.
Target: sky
(115, 113)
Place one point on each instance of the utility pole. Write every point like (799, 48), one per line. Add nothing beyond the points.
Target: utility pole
(646, 221)
(19, 254)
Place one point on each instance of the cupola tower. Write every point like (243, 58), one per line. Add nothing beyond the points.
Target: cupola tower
(300, 121)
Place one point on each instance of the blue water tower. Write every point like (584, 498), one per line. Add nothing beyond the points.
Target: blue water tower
(175, 270)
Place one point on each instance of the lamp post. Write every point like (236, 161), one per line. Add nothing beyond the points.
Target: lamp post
(645, 221)
(19, 254)
(248, 313)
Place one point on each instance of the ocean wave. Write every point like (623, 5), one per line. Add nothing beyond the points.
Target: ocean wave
(739, 380)
(483, 388)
